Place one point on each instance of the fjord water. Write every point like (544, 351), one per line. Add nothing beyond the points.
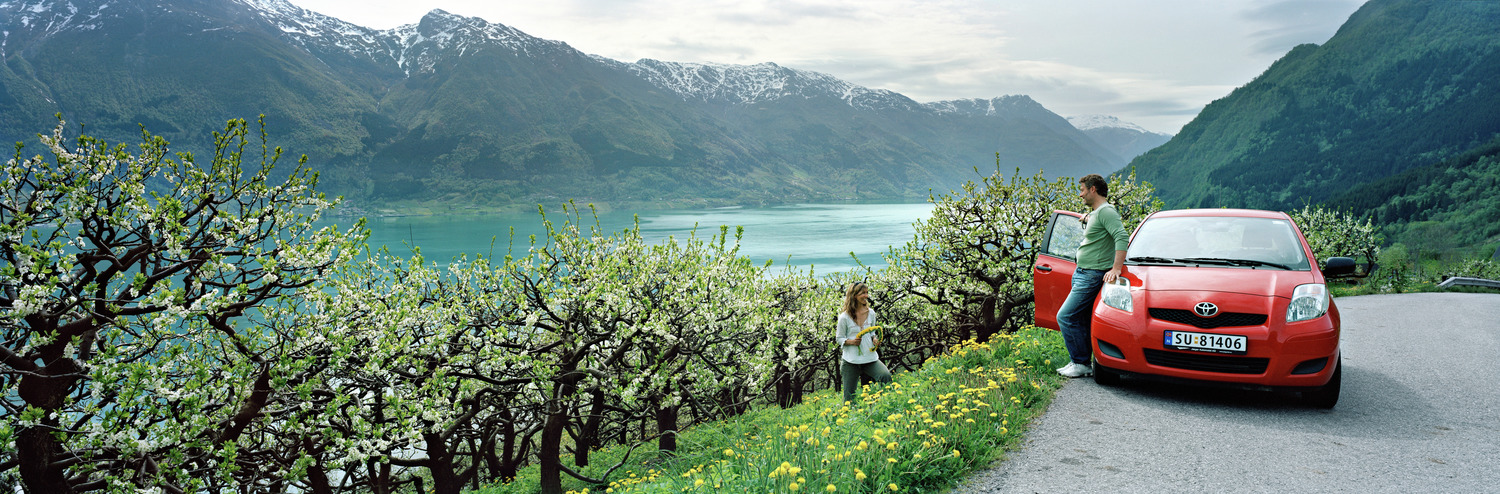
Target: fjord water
(817, 235)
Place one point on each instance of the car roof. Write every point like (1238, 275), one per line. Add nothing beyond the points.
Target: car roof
(1233, 213)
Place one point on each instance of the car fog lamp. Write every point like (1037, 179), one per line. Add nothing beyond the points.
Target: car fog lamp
(1308, 302)
(1117, 295)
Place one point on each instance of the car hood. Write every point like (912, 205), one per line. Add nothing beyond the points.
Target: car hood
(1213, 279)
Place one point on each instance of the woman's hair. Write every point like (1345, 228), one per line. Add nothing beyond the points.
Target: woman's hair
(850, 297)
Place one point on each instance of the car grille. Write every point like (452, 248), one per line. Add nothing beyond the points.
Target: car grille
(1206, 362)
(1223, 320)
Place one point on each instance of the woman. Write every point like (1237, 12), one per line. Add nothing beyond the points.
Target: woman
(859, 357)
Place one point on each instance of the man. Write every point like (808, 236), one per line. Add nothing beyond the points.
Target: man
(1101, 259)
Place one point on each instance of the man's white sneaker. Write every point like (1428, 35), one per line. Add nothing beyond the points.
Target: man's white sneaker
(1076, 370)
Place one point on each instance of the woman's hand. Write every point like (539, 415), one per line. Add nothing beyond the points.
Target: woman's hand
(877, 342)
(851, 341)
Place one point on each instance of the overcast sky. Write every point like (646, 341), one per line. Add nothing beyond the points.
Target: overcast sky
(1154, 63)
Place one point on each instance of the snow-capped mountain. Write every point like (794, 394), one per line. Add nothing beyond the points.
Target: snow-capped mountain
(759, 83)
(1090, 122)
(1002, 105)
(460, 107)
(413, 47)
(1125, 139)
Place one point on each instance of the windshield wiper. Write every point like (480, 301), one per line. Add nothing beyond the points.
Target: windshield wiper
(1154, 260)
(1236, 262)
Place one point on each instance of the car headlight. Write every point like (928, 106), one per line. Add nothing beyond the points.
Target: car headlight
(1118, 295)
(1308, 302)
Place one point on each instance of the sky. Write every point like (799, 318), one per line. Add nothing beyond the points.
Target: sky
(1154, 63)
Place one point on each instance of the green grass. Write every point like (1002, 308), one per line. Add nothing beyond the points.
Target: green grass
(1400, 273)
(922, 433)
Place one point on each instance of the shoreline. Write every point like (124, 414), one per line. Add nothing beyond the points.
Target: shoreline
(353, 209)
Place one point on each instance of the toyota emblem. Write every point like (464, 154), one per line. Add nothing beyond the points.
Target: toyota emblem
(1205, 309)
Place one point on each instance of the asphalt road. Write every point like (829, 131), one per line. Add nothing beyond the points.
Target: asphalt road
(1419, 412)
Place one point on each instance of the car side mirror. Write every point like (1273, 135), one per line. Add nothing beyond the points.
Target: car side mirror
(1338, 267)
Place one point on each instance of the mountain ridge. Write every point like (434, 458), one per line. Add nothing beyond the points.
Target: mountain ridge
(1401, 85)
(1392, 119)
(459, 109)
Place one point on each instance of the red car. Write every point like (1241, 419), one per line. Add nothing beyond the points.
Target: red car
(1229, 296)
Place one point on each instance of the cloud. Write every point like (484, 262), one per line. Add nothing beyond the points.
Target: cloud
(1154, 63)
(1288, 23)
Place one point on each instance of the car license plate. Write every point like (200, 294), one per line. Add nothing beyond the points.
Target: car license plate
(1206, 342)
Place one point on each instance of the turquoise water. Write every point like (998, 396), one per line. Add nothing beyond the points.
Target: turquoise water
(820, 235)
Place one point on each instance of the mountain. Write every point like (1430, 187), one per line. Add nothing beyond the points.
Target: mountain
(464, 111)
(1124, 139)
(1403, 84)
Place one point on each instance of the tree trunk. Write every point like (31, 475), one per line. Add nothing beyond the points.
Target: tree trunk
(588, 436)
(987, 326)
(317, 476)
(440, 465)
(548, 453)
(666, 425)
(508, 461)
(37, 449)
(783, 387)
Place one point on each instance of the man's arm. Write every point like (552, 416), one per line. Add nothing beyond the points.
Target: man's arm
(1116, 229)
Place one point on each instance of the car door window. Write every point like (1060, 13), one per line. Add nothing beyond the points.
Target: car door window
(1065, 236)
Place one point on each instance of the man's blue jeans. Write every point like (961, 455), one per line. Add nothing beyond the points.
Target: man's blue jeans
(1076, 316)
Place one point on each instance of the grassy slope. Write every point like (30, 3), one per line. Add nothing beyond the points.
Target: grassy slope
(924, 432)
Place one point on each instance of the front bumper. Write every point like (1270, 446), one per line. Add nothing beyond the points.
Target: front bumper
(1278, 354)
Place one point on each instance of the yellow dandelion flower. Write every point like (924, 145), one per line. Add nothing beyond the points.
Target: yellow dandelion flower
(831, 488)
(793, 486)
(893, 487)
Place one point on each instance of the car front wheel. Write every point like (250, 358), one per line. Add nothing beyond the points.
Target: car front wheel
(1327, 395)
(1105, 376)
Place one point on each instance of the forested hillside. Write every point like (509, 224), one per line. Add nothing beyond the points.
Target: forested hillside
(1397, 105)
(1441, 206)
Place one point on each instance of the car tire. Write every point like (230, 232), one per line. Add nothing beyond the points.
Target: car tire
(1327, 395)
(1105, 376)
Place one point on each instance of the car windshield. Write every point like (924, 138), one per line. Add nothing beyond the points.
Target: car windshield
(1218, 240)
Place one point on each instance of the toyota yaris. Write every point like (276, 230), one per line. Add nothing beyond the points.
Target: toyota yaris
(1229, 296)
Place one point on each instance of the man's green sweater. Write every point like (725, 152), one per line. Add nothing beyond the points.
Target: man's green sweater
(1104, 235)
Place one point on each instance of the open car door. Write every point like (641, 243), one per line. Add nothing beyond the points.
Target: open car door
(1052, 275)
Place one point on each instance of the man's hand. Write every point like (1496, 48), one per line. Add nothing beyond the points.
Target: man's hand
(1118, 268)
